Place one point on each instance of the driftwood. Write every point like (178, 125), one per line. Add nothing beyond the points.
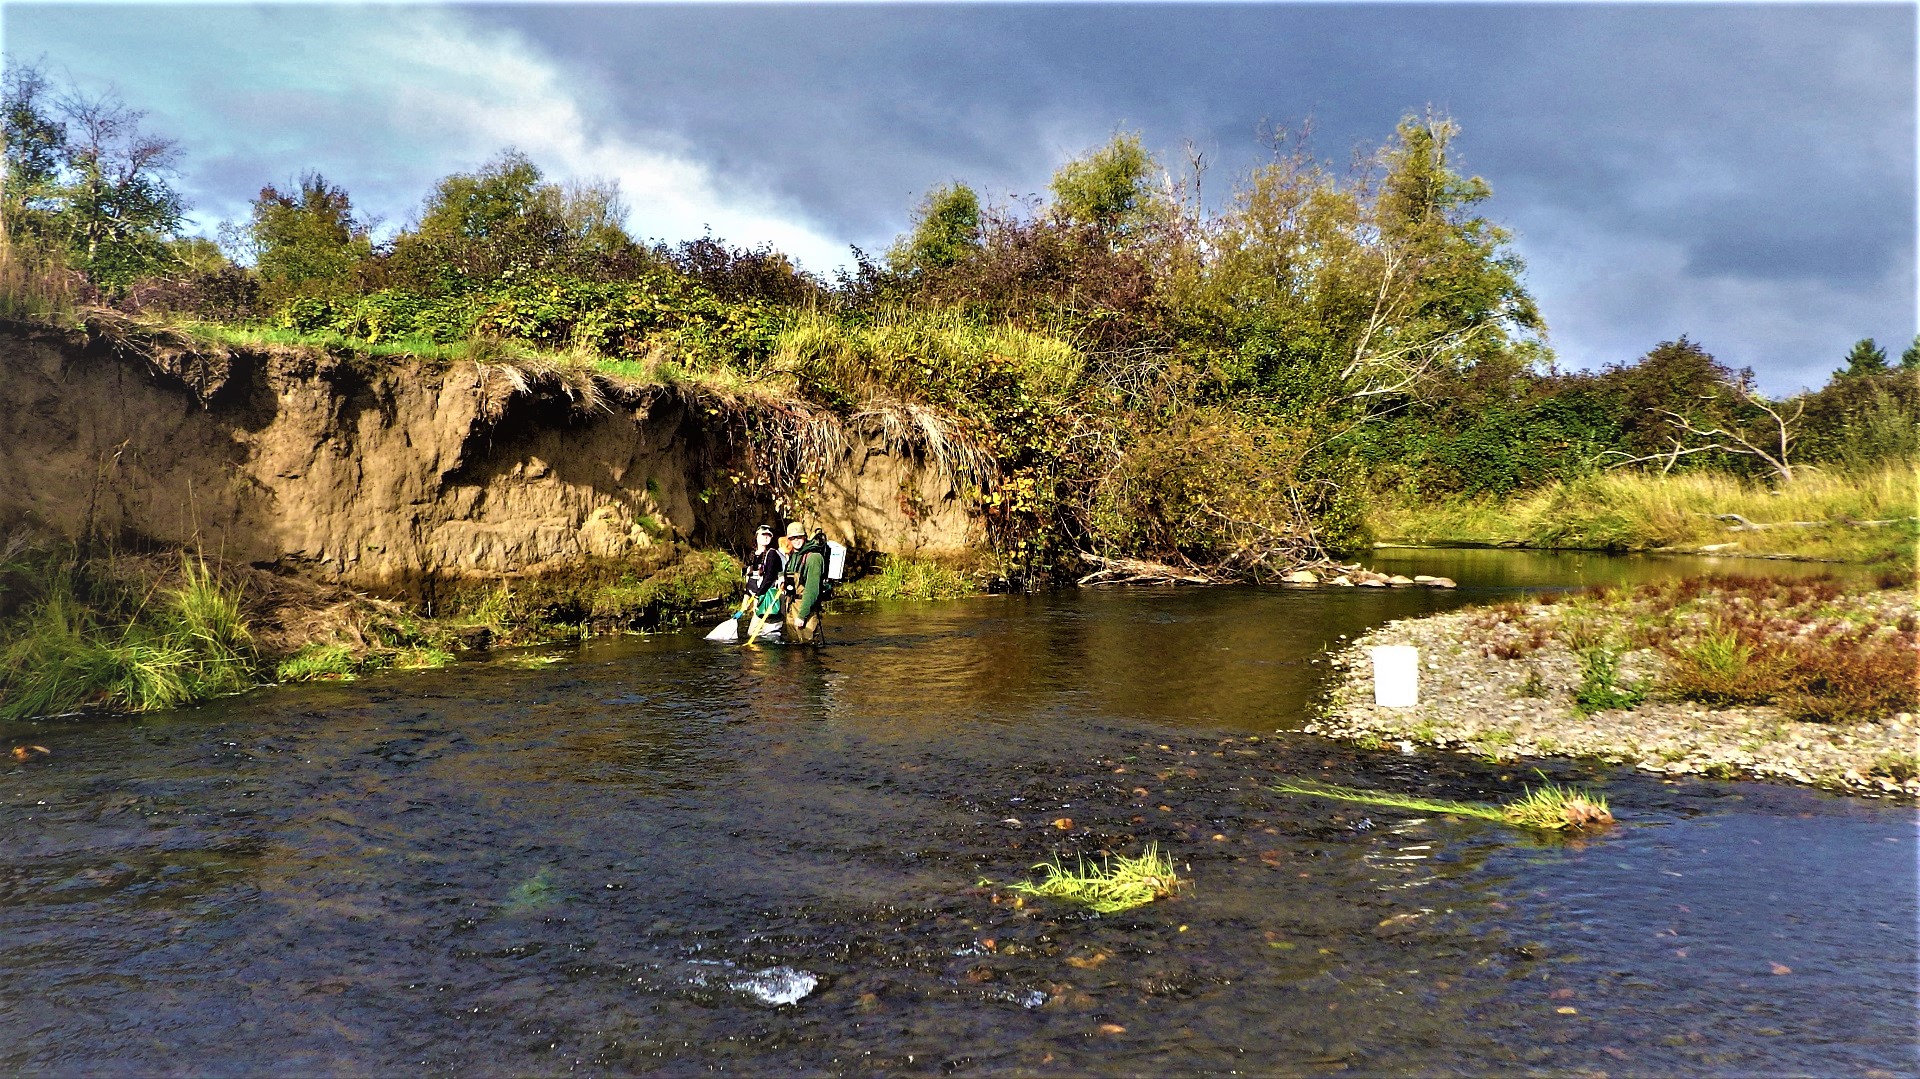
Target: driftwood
(1142, 571)
(1139, 571)
(1737, 523)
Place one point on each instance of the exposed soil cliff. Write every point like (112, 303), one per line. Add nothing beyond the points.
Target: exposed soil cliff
(394, 475)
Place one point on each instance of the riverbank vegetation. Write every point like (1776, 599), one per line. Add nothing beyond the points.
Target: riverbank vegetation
(1119, 367)
(906, 577)
(138, 632)
(1805, 679)
(1839, 515)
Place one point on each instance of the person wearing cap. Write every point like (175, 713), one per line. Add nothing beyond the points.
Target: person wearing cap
(806, 572)
(766, 565)
(765, 571)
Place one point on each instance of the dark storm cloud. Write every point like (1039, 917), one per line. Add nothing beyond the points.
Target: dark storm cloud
(1741, 174)
(1743, 150)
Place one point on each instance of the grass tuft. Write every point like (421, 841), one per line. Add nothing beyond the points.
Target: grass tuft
(83, 642)
(911, 578)
(1117, 884)
(1549, 807)
(319, 662)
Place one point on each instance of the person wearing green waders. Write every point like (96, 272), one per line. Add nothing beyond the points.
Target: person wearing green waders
(806, 581)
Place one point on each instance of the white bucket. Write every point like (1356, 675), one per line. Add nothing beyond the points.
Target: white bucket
(1396, 675)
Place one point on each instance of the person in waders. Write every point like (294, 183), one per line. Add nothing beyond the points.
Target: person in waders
(765, 573)
(806, 583)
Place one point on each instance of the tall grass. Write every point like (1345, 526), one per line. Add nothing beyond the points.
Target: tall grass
(901, 577)
(35, 284)
(79, 644)
(1640, 511)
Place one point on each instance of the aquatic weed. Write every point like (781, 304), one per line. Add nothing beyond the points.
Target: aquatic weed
(1549, 807)
(1118, 884)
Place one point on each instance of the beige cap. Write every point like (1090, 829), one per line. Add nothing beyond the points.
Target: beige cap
(795, 531)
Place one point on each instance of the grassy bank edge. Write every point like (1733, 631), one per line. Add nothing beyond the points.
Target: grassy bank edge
(1817, 516)
(122, 633)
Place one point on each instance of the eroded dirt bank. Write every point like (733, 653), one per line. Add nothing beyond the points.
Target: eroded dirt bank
(394, 475)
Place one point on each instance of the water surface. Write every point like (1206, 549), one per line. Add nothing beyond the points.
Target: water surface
(672, 856)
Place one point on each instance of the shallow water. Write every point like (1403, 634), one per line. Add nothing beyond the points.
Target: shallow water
(672, 856)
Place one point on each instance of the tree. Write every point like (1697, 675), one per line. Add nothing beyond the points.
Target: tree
(83, 172)
(305, 241)
(1107, 188)
(1865, 358)
(946, 229)
(35, 139)
(1448, 274)
(1910, 359)
(504, 219)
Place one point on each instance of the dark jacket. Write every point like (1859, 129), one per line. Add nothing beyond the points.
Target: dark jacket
(765, 574)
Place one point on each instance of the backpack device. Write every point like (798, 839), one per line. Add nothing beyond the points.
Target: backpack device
(836, 569)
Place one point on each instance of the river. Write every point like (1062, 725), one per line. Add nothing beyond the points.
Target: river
(663, 855)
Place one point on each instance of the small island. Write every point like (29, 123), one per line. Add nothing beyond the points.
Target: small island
(1806, 681)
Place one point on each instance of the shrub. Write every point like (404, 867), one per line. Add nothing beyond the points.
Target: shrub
(1858, 674)
(1600, 687)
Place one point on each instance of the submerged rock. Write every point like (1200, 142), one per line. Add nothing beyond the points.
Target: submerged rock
(776, 986)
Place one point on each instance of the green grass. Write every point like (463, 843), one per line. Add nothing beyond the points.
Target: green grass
(1549, 807)
(319, 661)
(911, 578)
(256, 335)
(1634, 511)
(1117, 884)
(1600, 686)
(70, 648)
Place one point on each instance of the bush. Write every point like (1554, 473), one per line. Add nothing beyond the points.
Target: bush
(1600, 686)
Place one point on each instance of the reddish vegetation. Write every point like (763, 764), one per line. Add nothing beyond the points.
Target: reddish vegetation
(1802, 644)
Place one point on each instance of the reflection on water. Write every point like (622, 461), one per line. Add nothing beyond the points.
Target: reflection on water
(668, 855)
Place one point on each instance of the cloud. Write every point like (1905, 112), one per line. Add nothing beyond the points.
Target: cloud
(1619, 295)
(1742, 173)
(398, 98)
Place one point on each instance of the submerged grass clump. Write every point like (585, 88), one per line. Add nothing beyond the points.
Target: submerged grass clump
(1117, 884)
(1549, 807)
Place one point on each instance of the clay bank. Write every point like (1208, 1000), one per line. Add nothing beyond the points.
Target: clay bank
(401, 477)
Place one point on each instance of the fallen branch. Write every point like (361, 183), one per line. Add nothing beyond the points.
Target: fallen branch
(1138, 571)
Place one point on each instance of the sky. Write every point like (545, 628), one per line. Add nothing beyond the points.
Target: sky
(1743, 174)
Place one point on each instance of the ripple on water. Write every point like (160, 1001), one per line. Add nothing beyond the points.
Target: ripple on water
(670, 856)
